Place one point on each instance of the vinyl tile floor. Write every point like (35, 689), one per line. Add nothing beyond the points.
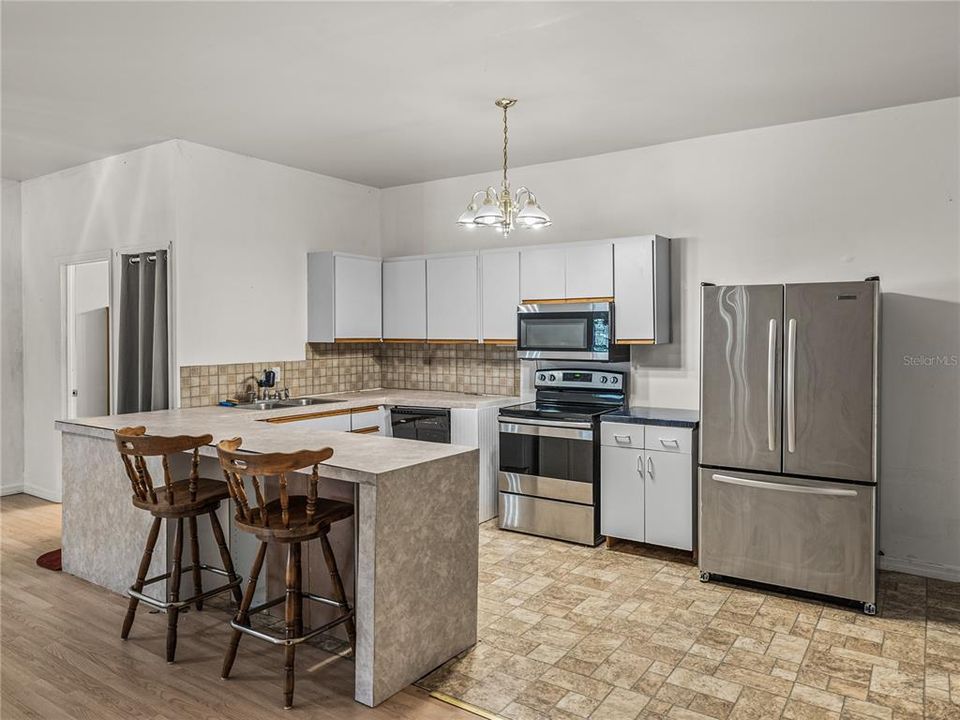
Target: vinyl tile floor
(570, 632)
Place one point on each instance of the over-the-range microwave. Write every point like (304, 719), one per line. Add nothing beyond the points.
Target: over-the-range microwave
(568, 331)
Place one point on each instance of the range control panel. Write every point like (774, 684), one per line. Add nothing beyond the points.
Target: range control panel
(580, 379)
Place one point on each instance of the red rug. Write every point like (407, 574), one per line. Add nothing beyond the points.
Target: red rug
(50, 560)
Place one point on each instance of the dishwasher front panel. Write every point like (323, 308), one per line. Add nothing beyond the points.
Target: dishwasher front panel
(810, 535)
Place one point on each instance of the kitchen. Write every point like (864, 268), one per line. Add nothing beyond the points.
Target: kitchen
(538, 418)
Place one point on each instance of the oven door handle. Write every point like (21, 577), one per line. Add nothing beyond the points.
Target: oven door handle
(548, 423)
(567, 431)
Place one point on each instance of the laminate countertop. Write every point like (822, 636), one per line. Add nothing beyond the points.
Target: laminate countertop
(670, 417)
(357, 458)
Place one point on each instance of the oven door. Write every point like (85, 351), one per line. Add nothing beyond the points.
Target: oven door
(553, 460)
(568, 331)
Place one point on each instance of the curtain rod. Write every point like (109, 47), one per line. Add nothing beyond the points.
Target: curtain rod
(136, 259)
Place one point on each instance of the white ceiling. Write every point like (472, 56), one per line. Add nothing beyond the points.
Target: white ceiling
(394, 93)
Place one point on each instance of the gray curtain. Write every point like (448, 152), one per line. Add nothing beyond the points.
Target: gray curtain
(143, 361)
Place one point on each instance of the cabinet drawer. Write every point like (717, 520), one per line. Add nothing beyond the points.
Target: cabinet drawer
(669, 439)
(365, 420)
(621, 435)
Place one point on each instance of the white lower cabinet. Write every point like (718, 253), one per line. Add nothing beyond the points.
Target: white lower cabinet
(621, 493)
(668, 493)
(646, 493)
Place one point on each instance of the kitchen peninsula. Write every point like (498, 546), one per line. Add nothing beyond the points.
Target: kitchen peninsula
(415, 535)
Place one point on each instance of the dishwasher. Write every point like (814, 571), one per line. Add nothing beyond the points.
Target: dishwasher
(418, 423)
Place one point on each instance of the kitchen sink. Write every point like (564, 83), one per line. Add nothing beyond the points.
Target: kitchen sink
(304, 401)
(260, 405)
(289, 402)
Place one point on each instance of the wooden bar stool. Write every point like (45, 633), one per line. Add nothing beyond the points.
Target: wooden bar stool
(290, 519)
(174, 500)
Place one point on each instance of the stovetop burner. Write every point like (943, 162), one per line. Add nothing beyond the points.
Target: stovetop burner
(556, 411)
(572, 395)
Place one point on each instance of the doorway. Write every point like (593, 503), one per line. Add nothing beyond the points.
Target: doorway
(87, 338)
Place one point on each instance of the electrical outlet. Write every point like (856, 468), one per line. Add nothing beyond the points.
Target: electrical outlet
(277, 373)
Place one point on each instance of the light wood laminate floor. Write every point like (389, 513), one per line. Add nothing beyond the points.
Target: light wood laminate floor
(61, 655)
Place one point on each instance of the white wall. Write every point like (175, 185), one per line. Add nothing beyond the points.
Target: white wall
(11, 343)
(245, 227)
(240, 230)
(119, 202)
(847, 197)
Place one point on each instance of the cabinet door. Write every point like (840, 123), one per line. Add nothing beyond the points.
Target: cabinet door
(633, 289)
(339, 422)
(405, 300)
(542, 274)
(499, 294)
(669, 499)
(369, 422)
(589, 271)
(621, 493)
(357, 298)
(452, 308)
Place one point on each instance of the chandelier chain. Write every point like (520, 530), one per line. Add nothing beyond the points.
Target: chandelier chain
(505, 148)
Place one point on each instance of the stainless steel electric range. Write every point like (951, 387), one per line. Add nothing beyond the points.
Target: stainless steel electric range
(549, 478)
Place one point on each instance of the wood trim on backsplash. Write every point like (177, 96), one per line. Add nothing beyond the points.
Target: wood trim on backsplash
(558, 301)
(453, 341)
(404, 340)
(632, 341)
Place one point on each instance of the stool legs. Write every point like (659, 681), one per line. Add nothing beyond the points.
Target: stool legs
(141, 577)
(242, 612)
(195, 558)
(225, 555)
(338, 593)
(173, 614)
(294, 619)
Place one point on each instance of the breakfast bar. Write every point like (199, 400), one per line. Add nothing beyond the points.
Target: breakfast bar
(414, 544)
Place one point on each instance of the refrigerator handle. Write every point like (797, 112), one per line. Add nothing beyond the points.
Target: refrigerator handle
(791, 384)
(771, 385)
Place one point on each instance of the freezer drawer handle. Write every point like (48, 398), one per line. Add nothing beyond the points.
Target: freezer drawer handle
(803, 489)
(771, 384)
(791, 385)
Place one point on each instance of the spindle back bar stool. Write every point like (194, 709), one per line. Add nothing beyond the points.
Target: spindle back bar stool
(174, 500)
(292, 520)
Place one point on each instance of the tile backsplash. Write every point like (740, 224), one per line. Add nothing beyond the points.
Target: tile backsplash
(343, 367)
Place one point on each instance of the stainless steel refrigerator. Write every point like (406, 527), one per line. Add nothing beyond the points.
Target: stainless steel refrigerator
(789, 378)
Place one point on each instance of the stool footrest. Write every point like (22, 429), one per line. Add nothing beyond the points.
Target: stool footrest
(285, 641)
(166, 605)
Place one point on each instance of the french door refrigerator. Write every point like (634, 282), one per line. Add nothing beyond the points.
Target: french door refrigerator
(788, 436)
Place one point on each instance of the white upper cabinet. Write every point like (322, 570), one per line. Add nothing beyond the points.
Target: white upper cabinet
(642, 289)
(452, 302)
(405, 299)
(343, 297)
(589, 271)
(567, 272)
(499, 295)
(543, 273)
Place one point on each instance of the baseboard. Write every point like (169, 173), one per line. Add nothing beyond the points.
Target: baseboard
(11, 489)
(42, 493)
(920, 567)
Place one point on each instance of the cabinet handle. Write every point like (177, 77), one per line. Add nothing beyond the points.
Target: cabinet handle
(622, 438)
(670, 442)
(640, 465)
(650, 466)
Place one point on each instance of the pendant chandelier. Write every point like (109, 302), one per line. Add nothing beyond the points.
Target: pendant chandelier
(504, 210)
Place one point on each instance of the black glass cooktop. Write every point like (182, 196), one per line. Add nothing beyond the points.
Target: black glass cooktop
(556, 411)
